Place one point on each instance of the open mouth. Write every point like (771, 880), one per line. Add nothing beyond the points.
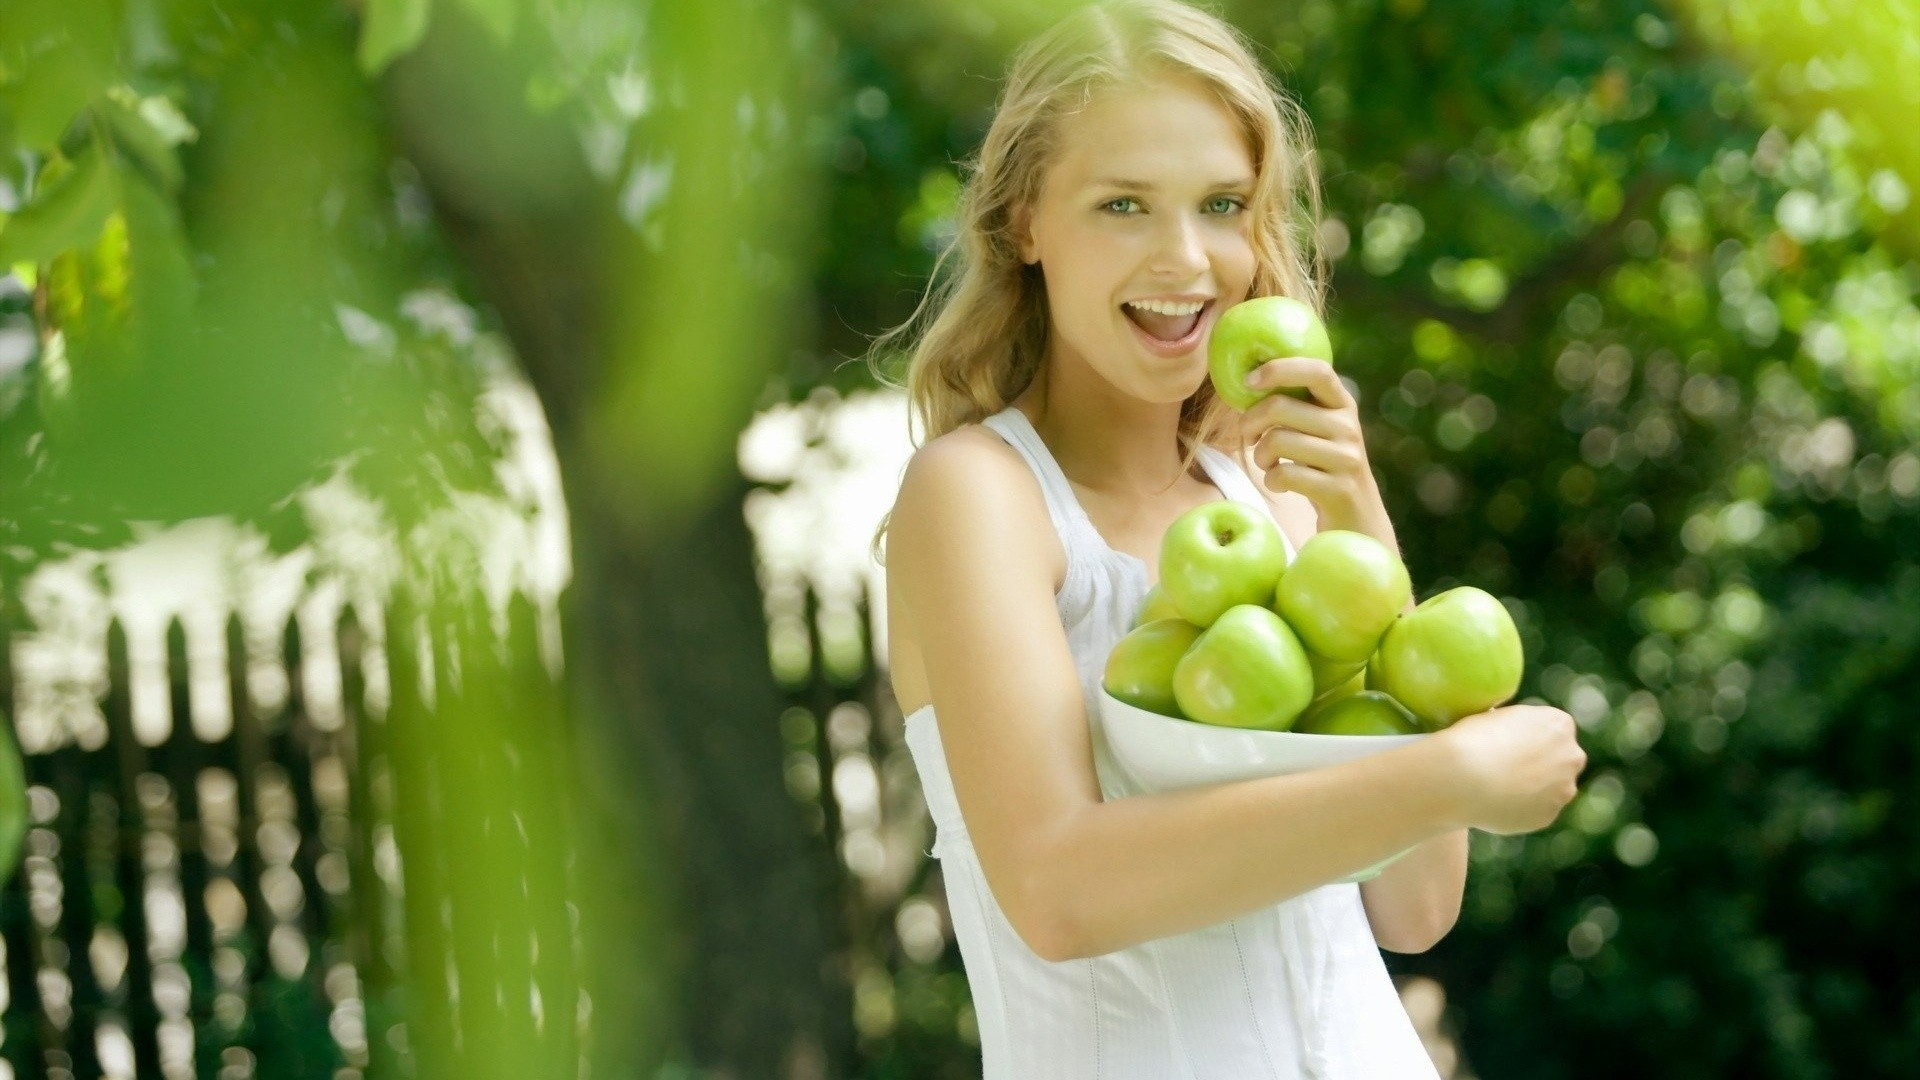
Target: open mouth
(1168, 333)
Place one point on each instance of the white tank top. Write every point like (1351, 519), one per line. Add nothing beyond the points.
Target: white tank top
(1292, 991)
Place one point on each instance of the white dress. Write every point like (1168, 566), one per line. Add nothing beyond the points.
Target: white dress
(1293, 991)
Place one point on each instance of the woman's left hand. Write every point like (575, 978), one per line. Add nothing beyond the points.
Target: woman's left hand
(1315, 447)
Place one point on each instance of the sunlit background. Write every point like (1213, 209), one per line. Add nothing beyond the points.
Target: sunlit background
(436, 478)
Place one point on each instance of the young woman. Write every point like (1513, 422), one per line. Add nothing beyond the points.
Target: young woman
(1143, 173)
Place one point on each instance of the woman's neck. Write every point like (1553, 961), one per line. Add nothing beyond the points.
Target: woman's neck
(1105, 441)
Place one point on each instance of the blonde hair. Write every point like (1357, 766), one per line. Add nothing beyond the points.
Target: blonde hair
(987, 336)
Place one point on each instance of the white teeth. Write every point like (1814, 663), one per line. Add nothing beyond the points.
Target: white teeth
(1166, 307)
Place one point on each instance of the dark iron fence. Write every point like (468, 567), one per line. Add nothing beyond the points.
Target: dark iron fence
(383, 892)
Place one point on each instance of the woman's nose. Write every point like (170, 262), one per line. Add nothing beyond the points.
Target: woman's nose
(1181, 248)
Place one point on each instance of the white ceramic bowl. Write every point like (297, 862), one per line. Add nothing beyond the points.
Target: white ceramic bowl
(1162, 753)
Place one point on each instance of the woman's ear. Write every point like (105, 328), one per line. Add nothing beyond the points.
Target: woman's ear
(1023, 235)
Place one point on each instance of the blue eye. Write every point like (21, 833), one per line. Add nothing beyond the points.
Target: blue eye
(1234, 204)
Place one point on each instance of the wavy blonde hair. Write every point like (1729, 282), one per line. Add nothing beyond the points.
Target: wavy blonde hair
(985, 318)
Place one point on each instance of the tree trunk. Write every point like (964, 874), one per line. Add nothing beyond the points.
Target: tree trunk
(677, 634)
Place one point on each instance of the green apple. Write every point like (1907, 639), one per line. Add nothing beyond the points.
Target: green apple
(1247, 670)
(1373, 679)
(1368, 712)
(1455, 654)
(1154, 607)
(1218, 555)
(1330, 676)
(1255, 331)
(1341, 593)
(1140, 667)
(1323, 698)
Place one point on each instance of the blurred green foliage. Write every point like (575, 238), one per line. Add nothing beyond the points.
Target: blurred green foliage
(220, 248)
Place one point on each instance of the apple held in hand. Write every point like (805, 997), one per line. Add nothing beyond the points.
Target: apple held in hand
(1341, 593)
(1154, 607)
(1247, 670)
(1140, 667)
(1454, 655)
(1218, 555)
(1255, 331)
(1368, 712)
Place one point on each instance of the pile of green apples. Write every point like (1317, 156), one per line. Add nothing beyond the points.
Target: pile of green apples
(1235, 635)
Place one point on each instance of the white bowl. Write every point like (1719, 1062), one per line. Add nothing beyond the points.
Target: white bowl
(1163, 753)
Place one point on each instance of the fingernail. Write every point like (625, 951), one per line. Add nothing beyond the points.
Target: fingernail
(1256, 380)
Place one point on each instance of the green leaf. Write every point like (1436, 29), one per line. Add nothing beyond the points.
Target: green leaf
(391, 28)
(496, 15)
(161, 284)
(55, 59)
(126, 302)
(64, 213)
(137, 139)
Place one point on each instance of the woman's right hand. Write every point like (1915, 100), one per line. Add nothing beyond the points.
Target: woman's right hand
(1517, 766)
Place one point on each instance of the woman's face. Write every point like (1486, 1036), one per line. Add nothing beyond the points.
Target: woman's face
(1147, 201)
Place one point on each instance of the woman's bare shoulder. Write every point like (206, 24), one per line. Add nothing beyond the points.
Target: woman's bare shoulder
(972, 480)
(966, 464)
(974, 444)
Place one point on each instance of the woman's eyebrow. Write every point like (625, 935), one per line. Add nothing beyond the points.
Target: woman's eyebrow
(1147, 185)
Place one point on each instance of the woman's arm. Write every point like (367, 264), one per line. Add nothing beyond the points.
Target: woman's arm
(1136, 869)
(1415, 901)
(973, 557)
